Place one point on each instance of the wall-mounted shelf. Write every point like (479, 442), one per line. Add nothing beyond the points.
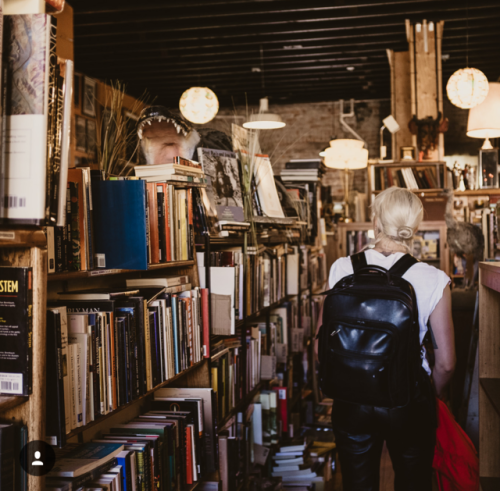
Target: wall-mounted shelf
(73, 275)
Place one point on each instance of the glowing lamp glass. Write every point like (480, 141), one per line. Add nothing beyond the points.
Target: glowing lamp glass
(346, 154)
(467, 87)
(199, 105)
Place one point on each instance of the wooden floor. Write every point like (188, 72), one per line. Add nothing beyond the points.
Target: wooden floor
(386, 475)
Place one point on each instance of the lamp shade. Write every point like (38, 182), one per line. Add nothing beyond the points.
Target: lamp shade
(199, 105)
(467, 88)
(264, 120)
(346, 154)
(484, 119)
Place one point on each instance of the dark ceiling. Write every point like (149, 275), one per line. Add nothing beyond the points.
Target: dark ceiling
(289, 50)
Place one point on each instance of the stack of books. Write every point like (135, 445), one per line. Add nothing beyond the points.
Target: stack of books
(180, 170)
(293, 465)
(303, 170)
(119, 345)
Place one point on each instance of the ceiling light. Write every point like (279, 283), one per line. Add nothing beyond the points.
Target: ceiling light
(346, 154)
(323, 153)
(199, 105)
(467, 88)
(484, 119)
(350, 68)
(264, 120)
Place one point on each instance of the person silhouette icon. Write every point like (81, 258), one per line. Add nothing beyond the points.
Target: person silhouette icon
(37, 457)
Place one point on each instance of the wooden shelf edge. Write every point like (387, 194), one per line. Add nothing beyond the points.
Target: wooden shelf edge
(491, 387)
(77, 431)
(9, 402)
(22, 237)
(72, 275)
(490, 483)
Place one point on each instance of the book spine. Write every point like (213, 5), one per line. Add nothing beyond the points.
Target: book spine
(167, 222)
(52, 174)
(190, 223)
(96, 369)
(147, 348)
(162, 242)
(206, 321)
(176, 333)
(72, 213)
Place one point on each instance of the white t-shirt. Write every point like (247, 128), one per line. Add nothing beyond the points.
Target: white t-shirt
(427, 281)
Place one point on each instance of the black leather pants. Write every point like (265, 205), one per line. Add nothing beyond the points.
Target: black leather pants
(410, 433)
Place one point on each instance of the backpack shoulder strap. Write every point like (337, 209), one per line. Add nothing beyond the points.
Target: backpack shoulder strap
(358, 261)
(403, 265)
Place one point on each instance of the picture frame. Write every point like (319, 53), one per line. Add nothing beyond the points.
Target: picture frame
(77, 91)
(89, 97)
(81, 134)
(488, 169)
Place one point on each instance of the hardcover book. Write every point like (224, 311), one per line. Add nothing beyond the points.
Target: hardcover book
(223, 169)
(23, 192)
(120, 224)
(16, 330)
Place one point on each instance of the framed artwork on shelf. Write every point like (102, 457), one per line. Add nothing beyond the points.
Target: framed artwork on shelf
(488, 168)
(89, 97)
(81, 134)
(77, 92)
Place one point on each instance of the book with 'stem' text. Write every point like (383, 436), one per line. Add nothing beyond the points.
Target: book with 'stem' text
(16, 330)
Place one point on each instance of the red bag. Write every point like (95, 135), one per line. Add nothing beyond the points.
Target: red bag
(455, 458)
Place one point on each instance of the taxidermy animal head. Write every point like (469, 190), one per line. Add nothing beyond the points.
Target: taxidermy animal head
(164, 135)
(427, 131)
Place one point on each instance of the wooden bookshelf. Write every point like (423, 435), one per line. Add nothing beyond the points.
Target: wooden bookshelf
(240, 406)
(73, 275)
(26, 247)
(262, 312)
(118, 410)
(489, 375)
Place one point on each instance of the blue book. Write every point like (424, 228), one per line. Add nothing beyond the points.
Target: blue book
(119, 214)
(176, 338)
(123, 459)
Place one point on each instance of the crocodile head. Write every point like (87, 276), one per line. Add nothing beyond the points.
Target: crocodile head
(165, 135)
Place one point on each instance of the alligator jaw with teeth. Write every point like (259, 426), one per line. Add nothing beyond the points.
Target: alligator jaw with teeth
(162, 114)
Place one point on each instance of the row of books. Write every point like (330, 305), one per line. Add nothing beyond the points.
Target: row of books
(121, 224)
(118, 345)
(13, 438)
(408, 177)
(168, 448)
(271, 274)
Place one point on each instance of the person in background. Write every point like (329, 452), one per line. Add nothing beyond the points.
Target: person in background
(409, 432)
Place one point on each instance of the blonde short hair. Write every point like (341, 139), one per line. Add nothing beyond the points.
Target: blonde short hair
(398, 213)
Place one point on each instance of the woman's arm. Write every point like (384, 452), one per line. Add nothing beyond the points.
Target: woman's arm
(442, 328)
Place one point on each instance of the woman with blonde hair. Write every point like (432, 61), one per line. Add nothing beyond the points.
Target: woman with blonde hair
(409, 431)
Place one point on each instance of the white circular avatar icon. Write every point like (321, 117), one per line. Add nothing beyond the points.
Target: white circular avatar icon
(37, 457)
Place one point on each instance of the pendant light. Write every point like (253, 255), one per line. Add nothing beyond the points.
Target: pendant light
(467, 87)
(484, 119)
(264, 120)
(199, 105)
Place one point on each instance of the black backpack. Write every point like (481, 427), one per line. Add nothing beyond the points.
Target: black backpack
(369, 345)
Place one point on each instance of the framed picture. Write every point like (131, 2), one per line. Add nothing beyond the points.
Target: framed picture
(81, 134)
(89, 96)
(488, 168)
(77, 91)
(91, 137)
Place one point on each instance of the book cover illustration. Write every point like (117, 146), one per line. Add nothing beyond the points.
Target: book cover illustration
(24, 170)
(223, 169)
(16, 331)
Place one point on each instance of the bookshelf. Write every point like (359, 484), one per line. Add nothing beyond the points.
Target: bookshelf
(489, 375)
(437, 227)
(26, 248)
(439, 172)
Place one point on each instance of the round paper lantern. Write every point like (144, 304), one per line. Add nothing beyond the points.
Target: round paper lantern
(199, 105)
(467, 88)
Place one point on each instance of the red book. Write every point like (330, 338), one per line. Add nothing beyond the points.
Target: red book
(189, 457)
(206, 322)
(282, 408)
(153, 222)
(76, 175)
